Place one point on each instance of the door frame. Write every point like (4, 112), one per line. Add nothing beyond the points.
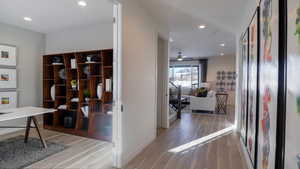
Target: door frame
(117, 85)
(165, 123)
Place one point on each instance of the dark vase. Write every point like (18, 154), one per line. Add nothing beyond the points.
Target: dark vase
(68, 122)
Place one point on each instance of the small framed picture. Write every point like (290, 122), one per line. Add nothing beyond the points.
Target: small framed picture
(8, 100)
(8, 55)
(8, 78)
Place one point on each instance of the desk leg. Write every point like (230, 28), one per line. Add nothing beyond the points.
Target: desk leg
(27, 129)
(37, 126)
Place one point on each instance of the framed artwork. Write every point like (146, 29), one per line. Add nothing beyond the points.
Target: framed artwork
(253, 87)
(8, 78)
(8, 55)
(225, 81)
(8, 100)
(244, 93)
(292, 136)
(268, 84)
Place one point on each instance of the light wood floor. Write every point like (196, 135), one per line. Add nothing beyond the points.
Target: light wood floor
(82, 153)
(222, 153)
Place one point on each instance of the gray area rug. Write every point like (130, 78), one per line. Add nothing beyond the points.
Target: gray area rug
(15, 154)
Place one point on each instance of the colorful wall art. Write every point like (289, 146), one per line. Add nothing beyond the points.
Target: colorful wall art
(8, 78)
(292, 140)
(268, 84)
(253, 87)
(8, 100)
(8, 55)
(244, 92)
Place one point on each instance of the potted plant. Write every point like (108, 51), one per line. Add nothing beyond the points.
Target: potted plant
(86, 94)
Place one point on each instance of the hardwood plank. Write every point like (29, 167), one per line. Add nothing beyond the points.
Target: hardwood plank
(81, 151)
(221, 153)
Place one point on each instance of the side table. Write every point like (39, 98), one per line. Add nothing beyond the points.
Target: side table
(222, 99)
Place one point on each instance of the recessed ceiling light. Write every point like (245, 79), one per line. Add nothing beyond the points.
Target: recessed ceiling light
(222, 54)
(222, 44)
(82, 3)
(27, 19)
(202, 26)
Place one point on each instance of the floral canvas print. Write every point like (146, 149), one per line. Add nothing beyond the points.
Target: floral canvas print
(268, 84)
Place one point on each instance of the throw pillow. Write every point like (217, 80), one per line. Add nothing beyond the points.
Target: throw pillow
(202, 92)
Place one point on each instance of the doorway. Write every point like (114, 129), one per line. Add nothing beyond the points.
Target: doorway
(162, 102)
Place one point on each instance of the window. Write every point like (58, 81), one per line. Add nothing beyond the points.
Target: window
(185, 76)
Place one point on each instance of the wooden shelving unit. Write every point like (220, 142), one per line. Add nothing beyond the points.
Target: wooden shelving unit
(88, 75)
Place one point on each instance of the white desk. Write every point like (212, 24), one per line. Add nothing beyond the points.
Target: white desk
(25, 112)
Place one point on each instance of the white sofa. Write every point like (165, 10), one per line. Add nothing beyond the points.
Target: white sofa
(204, 103)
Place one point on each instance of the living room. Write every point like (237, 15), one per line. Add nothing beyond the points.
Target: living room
(206, 77)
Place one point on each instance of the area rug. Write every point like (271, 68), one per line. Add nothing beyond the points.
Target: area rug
(15, 154)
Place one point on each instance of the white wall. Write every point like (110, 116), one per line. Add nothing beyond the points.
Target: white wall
(139, 33)
(89, 37)
(30, 46)
(221, 63)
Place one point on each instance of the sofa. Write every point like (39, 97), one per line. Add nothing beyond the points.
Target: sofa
(207, 103)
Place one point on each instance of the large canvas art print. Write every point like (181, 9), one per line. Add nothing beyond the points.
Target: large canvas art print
(252, 85)
(292, 140)
(268, 84)
(244, 94)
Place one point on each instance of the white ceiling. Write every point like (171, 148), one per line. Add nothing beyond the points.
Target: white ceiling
(182, 17)
(53, 15)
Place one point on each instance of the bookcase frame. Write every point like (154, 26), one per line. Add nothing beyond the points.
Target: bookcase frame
(98, 124)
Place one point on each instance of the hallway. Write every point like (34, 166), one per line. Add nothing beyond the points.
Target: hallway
(222, 153)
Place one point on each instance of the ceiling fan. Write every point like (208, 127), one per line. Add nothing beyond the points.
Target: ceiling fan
(180, 56)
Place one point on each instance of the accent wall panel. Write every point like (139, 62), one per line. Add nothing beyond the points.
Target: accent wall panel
(244, 94)
(253, 87)
(292, 138)
(268, 84)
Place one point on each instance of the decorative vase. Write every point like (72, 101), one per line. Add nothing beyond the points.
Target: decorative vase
(85, 111)
(108, 87)
(99, 90)
(52, 92)
(73, 64)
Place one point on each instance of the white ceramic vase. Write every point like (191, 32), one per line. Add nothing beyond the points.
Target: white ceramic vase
(85, 111)
(52, 92)
(99, 90)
